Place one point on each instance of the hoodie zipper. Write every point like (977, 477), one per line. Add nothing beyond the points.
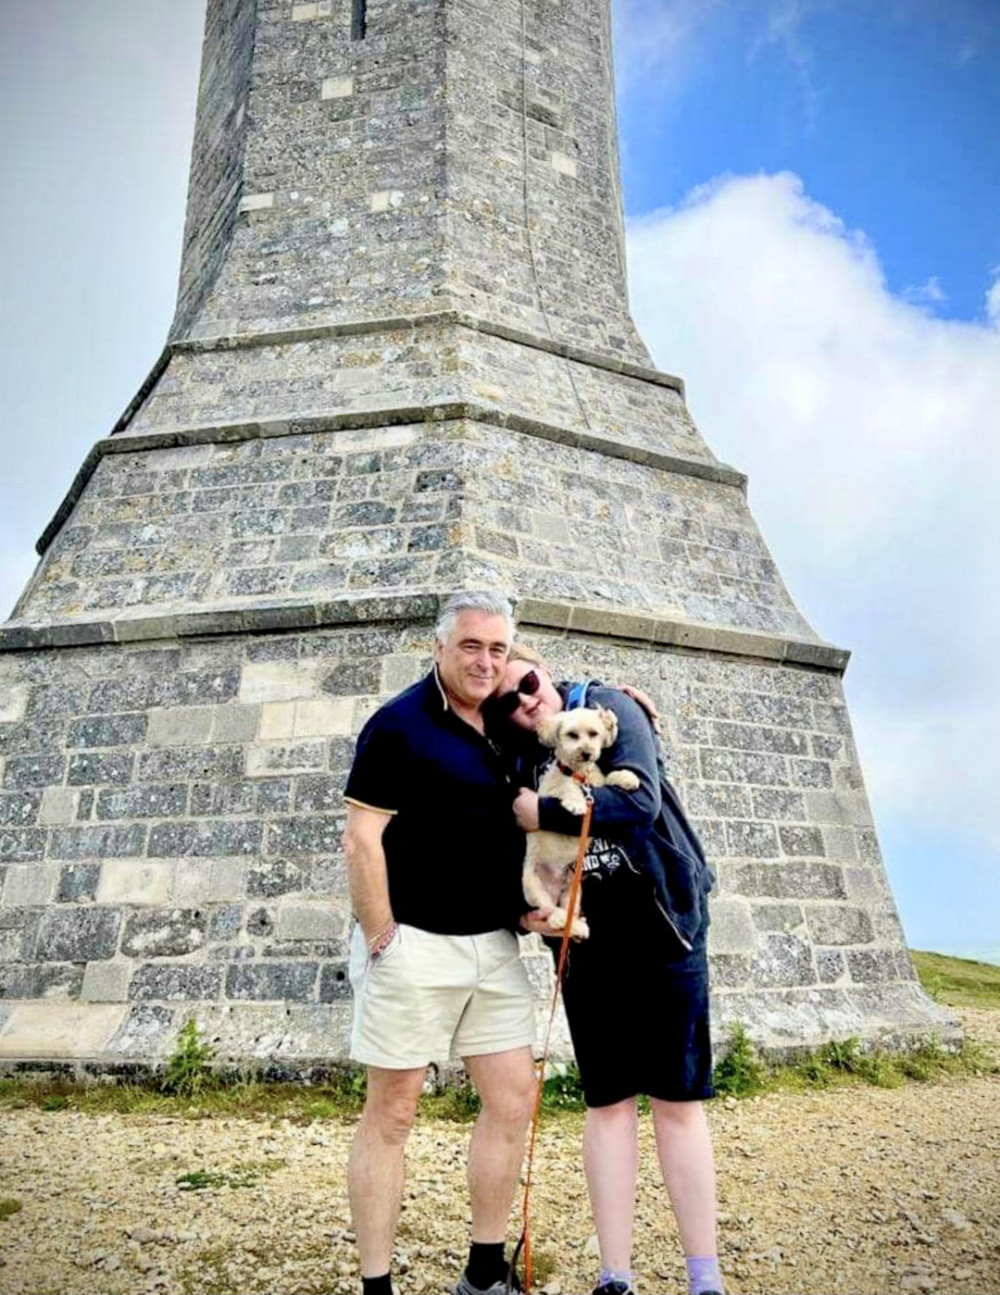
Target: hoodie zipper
(687, 945)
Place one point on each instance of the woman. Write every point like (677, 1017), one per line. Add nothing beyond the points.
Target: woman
(636, 992)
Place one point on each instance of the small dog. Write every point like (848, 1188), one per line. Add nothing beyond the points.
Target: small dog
(578, 737)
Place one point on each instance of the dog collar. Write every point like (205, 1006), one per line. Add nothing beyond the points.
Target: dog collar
(575, 774)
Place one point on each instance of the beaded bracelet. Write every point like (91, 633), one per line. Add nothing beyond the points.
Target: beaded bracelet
(378, 944)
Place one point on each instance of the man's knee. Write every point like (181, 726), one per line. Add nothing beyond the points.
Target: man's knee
(512, 1101)
(390, 1109)
(675, 1114)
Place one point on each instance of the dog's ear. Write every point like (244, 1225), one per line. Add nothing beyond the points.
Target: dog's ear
(547, 731)
(610, 721)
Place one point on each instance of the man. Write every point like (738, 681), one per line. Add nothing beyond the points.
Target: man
(434, 862)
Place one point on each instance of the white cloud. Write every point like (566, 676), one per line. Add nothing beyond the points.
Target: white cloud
(870, 430)
(993, 299)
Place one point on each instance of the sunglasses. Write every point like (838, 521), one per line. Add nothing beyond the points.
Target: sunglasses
(505, 705)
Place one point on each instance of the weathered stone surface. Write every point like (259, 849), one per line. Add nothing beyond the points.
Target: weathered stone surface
(133, 881)
(169, 982)
(164, 933)
(288, 981)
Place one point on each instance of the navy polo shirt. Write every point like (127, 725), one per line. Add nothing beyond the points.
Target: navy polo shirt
(453, 851)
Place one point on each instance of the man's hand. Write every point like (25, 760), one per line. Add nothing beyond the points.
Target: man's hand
(526, 810)
(536, 920)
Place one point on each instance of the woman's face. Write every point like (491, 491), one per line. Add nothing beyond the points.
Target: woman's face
(532, 706)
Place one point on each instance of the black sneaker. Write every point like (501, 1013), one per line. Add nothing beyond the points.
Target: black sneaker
(614, 1288)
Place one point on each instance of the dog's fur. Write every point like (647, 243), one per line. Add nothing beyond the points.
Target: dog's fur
(578, 738)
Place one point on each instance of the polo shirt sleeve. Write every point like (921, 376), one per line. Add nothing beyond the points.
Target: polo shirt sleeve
(376, 780)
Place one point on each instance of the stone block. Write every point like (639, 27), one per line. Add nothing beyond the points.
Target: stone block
(133, 881)
(261, 201)
(107, 730)
(95, 767)
(172, 981)
(334, 985)
(29, 884)
(563, 163)
(104, 842)
(775, 803)
(751, 840)
(216, 837)
(811, 773)
(353, 678)
(106, 982)
(830, 966)
(311, 835)
(319, 793)
(59, 806)
(225, 922)
(21, 844)
(267, 878)
(268, 758)
(78, 883)
(164, 933)
(190, 762)
(180, 726)
(316, 921)
(60, 1030)
(802, 841)
(284, 981)
(147, 1031)
(13, 702)
(235, 722)
(782, 960)
(207, 881)
(270, 681)
(731, 929)
(318, 717)
(151, 801)
(337, 87)
(80, 934)
(870, 966)
(839, 924)
(19, 808)
(755, 767)
(778, 917)
(25, 771)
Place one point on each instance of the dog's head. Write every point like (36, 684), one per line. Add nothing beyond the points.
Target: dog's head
(579, 736)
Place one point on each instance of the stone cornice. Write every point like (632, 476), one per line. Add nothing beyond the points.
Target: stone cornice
(297, 424)
(261, 616)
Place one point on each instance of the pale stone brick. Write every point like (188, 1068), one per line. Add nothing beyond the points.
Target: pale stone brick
(13, 700)
(337, 87)
(270, 681)
(29, 884)
(106, 982)
(53, 1029)
(59, 806)
(324, 717)
(180, 726)
(206, 881)
(731, 929)
(256, 201)
(133, 881)
(277, 720)
(310, 922)
(563, 163)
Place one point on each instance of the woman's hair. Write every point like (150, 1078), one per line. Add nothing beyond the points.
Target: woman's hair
(521, 652)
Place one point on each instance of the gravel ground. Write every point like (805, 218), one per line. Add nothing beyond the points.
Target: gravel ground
(858, 1190)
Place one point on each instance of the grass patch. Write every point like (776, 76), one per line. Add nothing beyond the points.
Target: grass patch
(247, 1174)
(10, 1205)
(743, 1072)
(959, 982)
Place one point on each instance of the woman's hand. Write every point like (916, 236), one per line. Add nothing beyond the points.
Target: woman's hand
(647, 704)
(526, 810)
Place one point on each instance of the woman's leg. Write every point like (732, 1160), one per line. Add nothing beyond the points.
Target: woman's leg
(684, 1145)
(610, 1160)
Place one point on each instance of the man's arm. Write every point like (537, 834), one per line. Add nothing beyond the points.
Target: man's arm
(366, 871)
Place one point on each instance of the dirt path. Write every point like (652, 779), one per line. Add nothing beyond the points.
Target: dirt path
(859, 1190)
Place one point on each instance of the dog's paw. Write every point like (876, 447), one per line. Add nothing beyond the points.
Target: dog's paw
(581, 931)
(557, 919)
(573, 800)
(623, 778)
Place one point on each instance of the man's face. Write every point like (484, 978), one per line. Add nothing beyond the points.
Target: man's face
(471, 662)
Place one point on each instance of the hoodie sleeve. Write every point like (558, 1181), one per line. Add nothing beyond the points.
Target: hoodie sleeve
(616, 813)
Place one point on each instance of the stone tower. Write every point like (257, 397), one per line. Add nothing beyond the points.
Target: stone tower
(402, 362)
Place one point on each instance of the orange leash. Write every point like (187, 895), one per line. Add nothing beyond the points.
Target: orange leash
(574, 894)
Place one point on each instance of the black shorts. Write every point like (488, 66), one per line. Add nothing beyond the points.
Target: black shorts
(638, 1016)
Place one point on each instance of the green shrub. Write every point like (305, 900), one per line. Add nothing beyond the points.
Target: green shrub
(188, 1071)
(741, 1072)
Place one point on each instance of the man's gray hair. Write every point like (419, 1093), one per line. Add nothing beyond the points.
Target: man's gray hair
(473, 600)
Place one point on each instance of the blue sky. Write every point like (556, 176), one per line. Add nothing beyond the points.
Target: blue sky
(813, 193)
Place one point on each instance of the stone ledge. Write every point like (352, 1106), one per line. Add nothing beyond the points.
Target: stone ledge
(420, 606)
(386, 416)
(428, 319)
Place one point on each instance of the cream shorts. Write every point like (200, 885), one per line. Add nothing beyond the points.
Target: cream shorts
(430, 997)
